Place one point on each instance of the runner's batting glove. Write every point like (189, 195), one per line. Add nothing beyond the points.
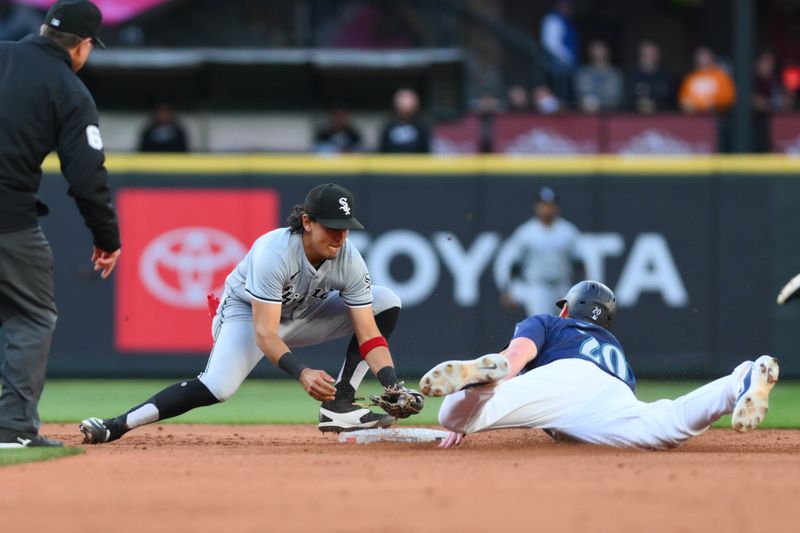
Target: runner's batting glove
(399, 401)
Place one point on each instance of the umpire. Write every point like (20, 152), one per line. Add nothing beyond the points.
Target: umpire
(44, 106)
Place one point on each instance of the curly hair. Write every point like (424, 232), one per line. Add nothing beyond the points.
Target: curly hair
(295, 219)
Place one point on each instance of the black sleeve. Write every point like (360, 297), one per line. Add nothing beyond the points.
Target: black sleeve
(80, 149)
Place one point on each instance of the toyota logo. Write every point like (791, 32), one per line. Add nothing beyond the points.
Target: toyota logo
(180, 267)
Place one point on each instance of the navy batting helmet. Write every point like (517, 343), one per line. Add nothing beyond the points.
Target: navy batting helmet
(592, 301)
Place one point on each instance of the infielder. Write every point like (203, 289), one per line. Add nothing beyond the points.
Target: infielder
(568, 376)
(545, 248)
(298, 286)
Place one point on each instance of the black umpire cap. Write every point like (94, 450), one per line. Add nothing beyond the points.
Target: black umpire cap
(332, 206)
(78, 17)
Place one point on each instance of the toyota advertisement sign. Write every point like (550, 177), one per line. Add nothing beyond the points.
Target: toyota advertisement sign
(179, 246)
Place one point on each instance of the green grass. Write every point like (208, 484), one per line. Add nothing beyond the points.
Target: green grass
(29, 455)
(284, 402)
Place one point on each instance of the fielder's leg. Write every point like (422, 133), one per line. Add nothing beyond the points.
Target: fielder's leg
(28, 315)
(233, 357)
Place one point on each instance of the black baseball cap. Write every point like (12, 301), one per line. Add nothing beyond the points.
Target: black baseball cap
(332, 206)
(78, 17)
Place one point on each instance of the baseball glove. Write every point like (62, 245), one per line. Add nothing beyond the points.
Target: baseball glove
(399, 401)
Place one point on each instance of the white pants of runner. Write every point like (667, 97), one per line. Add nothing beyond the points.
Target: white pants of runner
(235, 352)
(573, 398)
(537, 297)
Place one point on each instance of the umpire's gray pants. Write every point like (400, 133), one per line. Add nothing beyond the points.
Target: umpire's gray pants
(28, 317)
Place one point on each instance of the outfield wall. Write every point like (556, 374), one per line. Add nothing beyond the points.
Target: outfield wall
(695, 248)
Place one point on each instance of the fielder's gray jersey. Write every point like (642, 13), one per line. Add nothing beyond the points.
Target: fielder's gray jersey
(276, 270)
(546, 251)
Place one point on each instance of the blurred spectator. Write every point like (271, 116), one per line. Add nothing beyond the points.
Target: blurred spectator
(338, 136)
(768, 96)
(377, 25)
(17, 21)
(544, 101)
(768, 93)
(651, 89)
(560, 42)
(598, 85)
(542, 252)
(707, 87)
(164, 133)
(791, 83)
(405, 134)
(488, 106)
(518, 99)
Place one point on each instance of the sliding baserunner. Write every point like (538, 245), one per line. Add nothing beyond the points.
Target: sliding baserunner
(568, 375)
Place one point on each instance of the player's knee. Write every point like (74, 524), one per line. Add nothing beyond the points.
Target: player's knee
(384, 298)
(220, 389)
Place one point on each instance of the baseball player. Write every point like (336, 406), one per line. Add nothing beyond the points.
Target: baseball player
(568, 376)
(545, 248)
(298, 286)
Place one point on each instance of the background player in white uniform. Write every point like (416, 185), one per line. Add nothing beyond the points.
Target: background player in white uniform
(297, 286)
(568, 375)
(544, 250)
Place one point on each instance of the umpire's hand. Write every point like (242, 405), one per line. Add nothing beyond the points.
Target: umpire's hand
(105, 261)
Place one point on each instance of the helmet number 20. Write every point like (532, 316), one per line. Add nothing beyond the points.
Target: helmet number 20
(607, 356)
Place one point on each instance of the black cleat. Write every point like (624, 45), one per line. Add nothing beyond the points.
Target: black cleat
(28, 440)
(98, 431)
(343, 415)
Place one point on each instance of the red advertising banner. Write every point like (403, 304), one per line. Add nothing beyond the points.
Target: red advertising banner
(179, 245)
(785, 131)
(457, 137)
(538, 134)
(660, 134)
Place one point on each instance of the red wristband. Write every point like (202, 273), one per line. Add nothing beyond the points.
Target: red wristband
(371, 344)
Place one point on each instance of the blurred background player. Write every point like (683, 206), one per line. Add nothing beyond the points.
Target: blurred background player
(543, 253)
(298, 286)
(45, 106)
(568, 376)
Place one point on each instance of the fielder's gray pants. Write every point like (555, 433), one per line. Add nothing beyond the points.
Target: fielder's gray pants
(28, 317)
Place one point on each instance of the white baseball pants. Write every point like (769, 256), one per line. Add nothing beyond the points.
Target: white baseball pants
(574, 399)
(235, 352)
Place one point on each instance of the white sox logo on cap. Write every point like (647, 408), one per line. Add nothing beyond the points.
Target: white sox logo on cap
(344, 205)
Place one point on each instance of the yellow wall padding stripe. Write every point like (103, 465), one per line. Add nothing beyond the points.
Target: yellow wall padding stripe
(193, 164)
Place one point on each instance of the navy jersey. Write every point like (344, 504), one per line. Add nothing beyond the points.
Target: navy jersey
(567, 338)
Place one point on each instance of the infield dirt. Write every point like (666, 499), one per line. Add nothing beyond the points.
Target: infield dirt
(176, 478)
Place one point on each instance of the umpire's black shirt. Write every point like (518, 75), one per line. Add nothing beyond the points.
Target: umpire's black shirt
(45, 106)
